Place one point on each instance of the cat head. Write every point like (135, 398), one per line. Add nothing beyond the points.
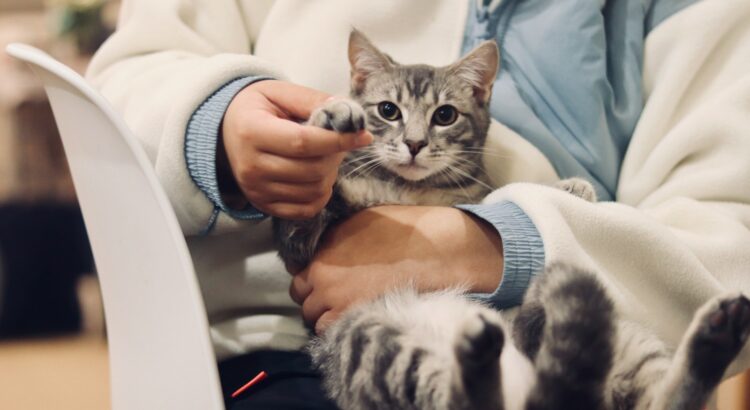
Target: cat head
(429, 123)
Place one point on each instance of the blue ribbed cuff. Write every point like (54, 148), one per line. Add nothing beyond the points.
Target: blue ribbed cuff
(201, 141)
(523, 251)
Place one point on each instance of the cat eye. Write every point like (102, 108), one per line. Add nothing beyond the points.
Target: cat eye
(445, 115)
(389, 111)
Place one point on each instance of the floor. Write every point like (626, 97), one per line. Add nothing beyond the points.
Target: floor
(60, 374)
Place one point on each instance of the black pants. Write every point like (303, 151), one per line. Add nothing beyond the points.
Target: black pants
(291, 384)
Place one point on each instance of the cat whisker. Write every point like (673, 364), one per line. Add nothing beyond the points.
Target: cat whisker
(366, 172)
(362, 158)
(483, 152)
(367, 163)
(469, 176)
(448, 174)
(463, 161)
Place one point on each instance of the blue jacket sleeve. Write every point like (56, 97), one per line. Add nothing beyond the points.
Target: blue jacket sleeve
(201, 141)
(523, 251)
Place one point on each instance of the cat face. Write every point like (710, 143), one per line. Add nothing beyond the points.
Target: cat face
(428, 122)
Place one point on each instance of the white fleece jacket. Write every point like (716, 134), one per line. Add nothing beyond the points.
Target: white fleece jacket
(677, 235)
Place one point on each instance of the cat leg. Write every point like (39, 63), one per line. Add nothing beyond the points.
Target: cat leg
(528, 324)
(297, 241)
(528, 328)
(576, 351)
(408, 351)
(719, 331)
(356, 356)
(478, 348)
(578, 187)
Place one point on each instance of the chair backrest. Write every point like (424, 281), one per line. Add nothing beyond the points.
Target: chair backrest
(159, 345)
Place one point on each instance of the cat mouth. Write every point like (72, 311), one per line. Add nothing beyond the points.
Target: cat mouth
(412, 171)
(411, 165)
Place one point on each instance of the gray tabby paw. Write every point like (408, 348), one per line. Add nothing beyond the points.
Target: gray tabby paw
(725, 324)
(481, 341)
(722, 331)
(341, 115)
(578, 187)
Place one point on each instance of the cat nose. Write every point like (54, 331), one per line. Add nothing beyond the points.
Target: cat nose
(415, 146)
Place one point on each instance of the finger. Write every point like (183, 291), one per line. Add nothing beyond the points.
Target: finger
(304, 193)
(290, 139)
(297, 100)
(297, 170)
(300, 288)
(313, 309)
(295, 212)
(325, 321)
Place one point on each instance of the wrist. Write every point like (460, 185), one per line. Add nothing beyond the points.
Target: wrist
(229, 189)
(478, 253)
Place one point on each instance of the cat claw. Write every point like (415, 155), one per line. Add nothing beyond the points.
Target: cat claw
(340, 115)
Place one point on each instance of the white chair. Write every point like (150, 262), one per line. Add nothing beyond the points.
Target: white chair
(159, 346)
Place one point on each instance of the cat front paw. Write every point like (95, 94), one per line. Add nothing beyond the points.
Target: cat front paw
(578, 187)
(340, 115)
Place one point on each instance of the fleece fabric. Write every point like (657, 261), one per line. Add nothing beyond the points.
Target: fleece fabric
(676, 235)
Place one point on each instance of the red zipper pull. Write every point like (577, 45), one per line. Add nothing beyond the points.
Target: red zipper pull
(257, 379)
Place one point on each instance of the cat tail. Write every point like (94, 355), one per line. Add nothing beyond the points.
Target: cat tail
(576, 345)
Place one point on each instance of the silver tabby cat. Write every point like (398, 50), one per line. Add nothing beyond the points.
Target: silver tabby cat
(565, 349)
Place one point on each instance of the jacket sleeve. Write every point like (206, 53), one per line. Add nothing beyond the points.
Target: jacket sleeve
(679, 232)
(164, 62)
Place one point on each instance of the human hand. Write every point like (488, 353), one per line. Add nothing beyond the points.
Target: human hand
(388, 247)
(284, 168)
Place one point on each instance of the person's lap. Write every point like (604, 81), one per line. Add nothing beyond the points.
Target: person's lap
(291, 382)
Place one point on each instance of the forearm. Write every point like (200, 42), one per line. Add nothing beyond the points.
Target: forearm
(446, 248)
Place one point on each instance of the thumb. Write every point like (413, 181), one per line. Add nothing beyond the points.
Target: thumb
(298, 101)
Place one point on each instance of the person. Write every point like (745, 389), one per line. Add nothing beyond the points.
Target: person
(648, 101)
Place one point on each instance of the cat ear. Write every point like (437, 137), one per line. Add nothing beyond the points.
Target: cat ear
(479, 69)
(365, 59)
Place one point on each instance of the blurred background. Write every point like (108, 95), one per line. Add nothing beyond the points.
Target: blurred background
(53, 351)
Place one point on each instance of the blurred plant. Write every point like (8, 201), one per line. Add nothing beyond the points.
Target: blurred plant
(82, 21)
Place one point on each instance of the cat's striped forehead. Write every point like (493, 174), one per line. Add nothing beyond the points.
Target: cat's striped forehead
(417, 85)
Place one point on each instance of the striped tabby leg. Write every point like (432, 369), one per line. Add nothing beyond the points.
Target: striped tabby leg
(409, 351)
(478, 351)
(718, 333)
(576, 350)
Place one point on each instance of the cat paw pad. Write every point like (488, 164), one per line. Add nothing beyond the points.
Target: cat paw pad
(340, 115)
(728, 323)
(578, 187)
(723, 328)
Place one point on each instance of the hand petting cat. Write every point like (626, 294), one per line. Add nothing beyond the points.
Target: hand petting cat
(284, 168)
(382, 248)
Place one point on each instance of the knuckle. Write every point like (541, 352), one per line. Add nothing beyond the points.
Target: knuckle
(324, 190)
(308, 211)
(244, 130)
(248, 173)
(297, 213)
(300, 142)
(317, 172)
